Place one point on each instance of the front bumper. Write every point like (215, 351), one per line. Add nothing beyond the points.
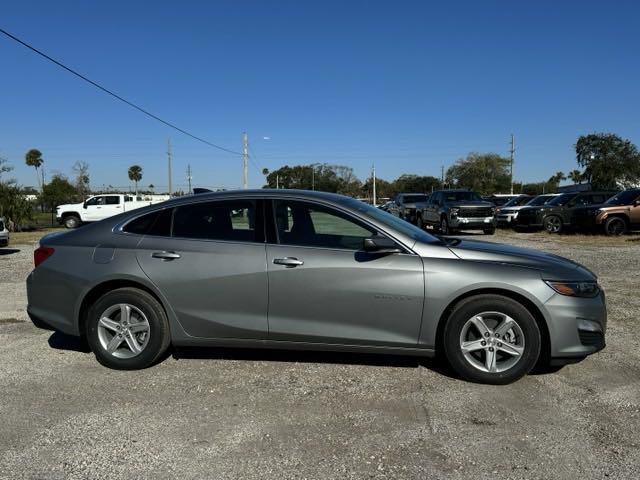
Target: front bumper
(472, 223)
(577, 326)
(525, 220)
(506, 218)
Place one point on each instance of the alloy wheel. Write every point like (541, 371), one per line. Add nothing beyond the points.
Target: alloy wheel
(444, 226)
(123, 330)
(616, 226)
(492, 342)
(554, 224)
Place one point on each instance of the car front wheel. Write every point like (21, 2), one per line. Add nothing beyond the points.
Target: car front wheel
(127, 329)
(491, 339)
(71, 221)
(615, 226)
(553, 224)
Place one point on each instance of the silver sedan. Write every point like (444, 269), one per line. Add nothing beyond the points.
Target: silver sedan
(308, 270)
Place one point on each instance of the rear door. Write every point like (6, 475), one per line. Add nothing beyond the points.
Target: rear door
(323, 288)
(208, 259)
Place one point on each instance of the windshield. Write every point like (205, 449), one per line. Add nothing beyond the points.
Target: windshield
(394, 222)
(516, 202)
(562, 199)
(540, 200)
(414, 198)
(624, 198)
(461, 196)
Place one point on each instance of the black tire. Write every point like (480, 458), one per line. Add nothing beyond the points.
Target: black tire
(470, 308)
(71, 221)
(419, 222)
(159, 335)
(615, 226)
(553, 224)
(489, 231)
(444, 226)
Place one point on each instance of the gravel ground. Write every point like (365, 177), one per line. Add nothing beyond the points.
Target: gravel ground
(239, 414)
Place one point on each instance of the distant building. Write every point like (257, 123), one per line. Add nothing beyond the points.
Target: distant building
(576, 187)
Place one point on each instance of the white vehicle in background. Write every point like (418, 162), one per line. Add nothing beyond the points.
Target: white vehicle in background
(4, 233)
(98, 208)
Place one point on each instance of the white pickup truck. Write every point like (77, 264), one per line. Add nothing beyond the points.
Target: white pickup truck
(97, 208)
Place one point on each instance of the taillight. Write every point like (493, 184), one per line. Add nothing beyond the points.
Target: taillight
(40, 254)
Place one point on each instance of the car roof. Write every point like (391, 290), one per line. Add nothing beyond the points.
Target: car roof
(259, 193)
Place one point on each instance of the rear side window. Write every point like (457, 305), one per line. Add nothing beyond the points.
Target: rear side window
(231, 220)
(156, 223)
(112, 200)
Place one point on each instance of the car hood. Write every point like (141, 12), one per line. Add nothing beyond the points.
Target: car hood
(551, 266)
(414, 204)
(69, 206)
(469, 204)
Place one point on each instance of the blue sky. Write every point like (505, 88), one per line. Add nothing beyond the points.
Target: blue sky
(407, 85)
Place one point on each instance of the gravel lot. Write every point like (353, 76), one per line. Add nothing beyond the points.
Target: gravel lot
(226, 414)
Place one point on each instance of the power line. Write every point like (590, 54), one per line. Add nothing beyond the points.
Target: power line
(115, 95)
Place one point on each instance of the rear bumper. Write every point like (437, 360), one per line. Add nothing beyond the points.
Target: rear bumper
(50, 303)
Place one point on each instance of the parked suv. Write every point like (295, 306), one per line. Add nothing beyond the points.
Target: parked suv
(407, 206)
(615, 216)
(451, 210)
(4, 234)
(507, 215)
(558, 214)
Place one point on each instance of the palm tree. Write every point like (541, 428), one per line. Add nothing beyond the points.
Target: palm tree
(33, 158)
(575, 176)
(135, 174)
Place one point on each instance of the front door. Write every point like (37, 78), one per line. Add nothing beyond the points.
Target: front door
(212, 268)
(324, 288)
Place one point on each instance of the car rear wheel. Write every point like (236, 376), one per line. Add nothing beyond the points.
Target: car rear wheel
(127, 329)
(71, 221)
(491, 339)
(444, 226)
(553, 224)
(615, 226)
(419, 222)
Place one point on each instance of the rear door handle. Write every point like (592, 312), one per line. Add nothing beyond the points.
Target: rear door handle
(289, 262)
(166, 255)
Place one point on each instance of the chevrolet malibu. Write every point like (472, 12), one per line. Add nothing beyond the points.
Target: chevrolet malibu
(308, 270)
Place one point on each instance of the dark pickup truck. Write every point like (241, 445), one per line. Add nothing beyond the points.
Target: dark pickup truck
(559, 213)
(407, 206)
(451, 210)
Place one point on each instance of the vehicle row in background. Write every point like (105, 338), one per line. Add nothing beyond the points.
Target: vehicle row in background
(4, 233)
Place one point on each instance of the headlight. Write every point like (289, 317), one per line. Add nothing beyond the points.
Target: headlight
(575, 289)
(493, 210)
(454, 211)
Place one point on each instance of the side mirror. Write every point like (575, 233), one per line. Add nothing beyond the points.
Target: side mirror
(84, 205)
(380, 244)
(636, 202)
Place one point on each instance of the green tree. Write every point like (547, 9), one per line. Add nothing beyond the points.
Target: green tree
(33, 158)
(575, 176)
(14, 206)
(4, 167)
(59, 191)
(608, 160)
(486, 173)
(135, 175)
(409, 183)
(81, 171)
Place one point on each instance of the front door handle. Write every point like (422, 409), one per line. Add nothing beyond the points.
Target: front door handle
(289, 262)
(166, 255)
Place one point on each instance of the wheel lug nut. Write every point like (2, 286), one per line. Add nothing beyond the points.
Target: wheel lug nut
(483, 343)
(497, 335)
(491, 349)
(486, 334)
(499, 344)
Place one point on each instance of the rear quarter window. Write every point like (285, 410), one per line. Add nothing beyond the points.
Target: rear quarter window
(156, 223)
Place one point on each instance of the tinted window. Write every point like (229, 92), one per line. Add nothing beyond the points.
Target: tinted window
(541, 200)
(112, 200)
(624, 198)
(562, 199)
(95, 201)
(460, 196)
(311, 225)
(233, 220)
(516, 202)
(157, 223)
(415, 198)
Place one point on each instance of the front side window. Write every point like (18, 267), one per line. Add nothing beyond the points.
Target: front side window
(95, 201)
(231, 220)
(310, 225)
(562, 199)
(461, 197)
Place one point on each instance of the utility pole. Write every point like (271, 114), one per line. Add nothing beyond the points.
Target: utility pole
(513, 151)
(189, 176)
(245, 160)
(313, 177)
(277, 182)
(373, 178)
(442, 176)
(169, 165)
